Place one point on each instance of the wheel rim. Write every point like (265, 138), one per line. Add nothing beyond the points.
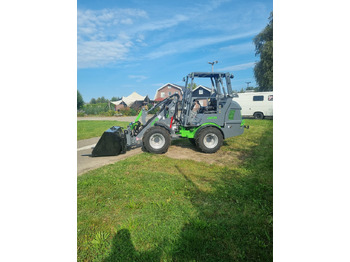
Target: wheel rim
(157, 141)
(258, 116)
(210, 140)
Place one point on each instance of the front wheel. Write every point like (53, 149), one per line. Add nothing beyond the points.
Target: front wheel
(156, 140)
(209, 140)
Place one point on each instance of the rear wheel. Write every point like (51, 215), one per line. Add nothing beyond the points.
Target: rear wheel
(258, 115)
(156, 140)
(209, 140)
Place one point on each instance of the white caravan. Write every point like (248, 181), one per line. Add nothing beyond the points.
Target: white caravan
(255, 104)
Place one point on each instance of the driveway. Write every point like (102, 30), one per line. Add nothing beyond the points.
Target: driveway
(86, 162)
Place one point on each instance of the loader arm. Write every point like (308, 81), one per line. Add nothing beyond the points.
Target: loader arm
(115, 140)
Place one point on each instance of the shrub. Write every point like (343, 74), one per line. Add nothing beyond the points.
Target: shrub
(95, 109)
(81, 113)
(154, 111)
(108, 113)
(127, 111)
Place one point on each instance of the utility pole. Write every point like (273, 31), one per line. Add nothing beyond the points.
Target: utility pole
(248, 84)
(212, 65)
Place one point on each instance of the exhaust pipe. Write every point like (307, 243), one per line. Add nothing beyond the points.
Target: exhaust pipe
(111, 143)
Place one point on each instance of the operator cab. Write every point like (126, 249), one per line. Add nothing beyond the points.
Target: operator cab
(206, 102)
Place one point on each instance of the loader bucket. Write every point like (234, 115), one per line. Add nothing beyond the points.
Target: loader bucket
(111, 143)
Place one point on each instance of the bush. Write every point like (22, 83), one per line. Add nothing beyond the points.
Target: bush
(127, 111)
(154, 111)
(95, 109)
(81, 113)
(108, 113)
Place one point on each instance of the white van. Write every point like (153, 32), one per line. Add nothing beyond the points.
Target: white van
(255, 104)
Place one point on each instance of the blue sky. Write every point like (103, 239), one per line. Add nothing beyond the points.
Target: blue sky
(139, 45)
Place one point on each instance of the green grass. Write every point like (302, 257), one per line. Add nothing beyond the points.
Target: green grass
(88, 128)
(153, 208)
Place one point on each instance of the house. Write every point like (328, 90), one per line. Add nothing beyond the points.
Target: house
(119, 105)
(170, 89)
(134, 100)
(140, 103)
(202, 93)
(166, 91)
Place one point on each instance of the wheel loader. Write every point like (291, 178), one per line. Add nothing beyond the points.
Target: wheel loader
(205, 121)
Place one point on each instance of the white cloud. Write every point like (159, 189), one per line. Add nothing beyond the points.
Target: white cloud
(237, 67)
(239, 48)
(100, 53)
(131, 34)
(187, 45)
(163, 24)
(138, 78)
(106, 36)
(126, 21)
(99, 41)
(158, 85)
(91, 21)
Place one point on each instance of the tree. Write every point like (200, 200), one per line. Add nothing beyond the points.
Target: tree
(263, 70)
(192, 86)
(101, 100)
(80, 101)
(93, 101)
(115, 98)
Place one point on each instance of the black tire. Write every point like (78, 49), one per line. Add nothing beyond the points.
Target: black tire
(258, 115)
(209, 139)
(156, 140)
(192, 141)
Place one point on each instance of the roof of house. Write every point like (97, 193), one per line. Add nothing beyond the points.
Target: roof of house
(129, 100)
(159, 99)
(204, 87)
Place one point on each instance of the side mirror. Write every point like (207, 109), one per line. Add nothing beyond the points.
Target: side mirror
(184, 79)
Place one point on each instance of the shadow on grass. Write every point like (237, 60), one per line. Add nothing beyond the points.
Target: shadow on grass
(123, 250)
(235, 219)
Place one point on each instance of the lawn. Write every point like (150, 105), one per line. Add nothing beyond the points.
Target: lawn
(88, 128)
(154, 208)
